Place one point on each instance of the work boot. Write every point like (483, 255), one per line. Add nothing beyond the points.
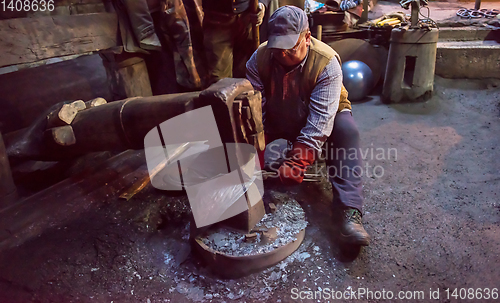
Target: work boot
(352, 230)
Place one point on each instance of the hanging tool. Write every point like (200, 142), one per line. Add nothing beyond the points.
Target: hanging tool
(254, 6)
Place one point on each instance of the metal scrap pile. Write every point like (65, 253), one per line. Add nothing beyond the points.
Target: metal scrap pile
(274, 230)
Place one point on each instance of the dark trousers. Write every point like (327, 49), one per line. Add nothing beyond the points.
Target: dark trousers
(227, 40)
(139, 16)
(343, 162)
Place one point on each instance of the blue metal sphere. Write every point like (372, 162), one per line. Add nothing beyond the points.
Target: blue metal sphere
(358, 79)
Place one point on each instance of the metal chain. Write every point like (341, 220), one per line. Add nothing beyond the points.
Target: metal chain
(474, 13)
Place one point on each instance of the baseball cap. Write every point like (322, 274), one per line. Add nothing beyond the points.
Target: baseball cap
(285, 26)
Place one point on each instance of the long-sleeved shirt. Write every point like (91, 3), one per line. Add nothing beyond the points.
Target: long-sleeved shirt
(323, 103)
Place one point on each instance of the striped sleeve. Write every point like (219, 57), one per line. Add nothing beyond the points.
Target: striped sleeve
(323, 106)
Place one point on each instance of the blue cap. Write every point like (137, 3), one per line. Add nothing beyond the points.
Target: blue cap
(285, 26)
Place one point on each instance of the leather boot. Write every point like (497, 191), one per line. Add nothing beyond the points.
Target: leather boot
(352, 230)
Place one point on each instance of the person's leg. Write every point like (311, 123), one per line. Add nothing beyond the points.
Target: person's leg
(217, 38)
(344, 162)
(175, 27)
(344, 169)
(242, 48)
(140, 18)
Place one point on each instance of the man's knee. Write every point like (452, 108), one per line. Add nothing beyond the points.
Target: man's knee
(345, 127)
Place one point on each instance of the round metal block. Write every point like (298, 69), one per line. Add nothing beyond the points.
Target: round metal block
(358, 79)
(357, 49)
(231, 253)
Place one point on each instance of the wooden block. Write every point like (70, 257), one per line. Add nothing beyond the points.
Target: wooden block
(95, 102)
(127, 74)
(79, 105)
(63, 135)
(65, 115)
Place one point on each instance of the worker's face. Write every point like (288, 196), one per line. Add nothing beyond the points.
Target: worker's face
(295, 55)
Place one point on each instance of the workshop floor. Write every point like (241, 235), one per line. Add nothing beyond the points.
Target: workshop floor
(432, 209)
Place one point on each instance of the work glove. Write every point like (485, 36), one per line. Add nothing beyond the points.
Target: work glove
(294, 167)
(249, 17)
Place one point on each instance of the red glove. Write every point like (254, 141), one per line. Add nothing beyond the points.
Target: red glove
(298, 159)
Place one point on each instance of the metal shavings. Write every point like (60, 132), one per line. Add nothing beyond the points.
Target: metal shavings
(288, 219)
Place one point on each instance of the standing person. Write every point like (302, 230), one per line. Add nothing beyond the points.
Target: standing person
(227, 31)
(304, 101)
(136, 25)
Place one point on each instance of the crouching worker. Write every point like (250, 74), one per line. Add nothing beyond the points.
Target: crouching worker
(304, 101)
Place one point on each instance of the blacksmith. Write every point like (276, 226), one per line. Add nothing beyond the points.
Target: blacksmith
(304, 101)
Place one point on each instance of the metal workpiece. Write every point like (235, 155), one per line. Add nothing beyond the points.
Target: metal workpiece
(123, 124)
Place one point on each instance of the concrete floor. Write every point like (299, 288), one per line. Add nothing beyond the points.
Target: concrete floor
(432, 210)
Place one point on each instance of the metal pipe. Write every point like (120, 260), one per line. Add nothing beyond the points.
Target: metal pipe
(415, 8)
(254, 5)
(364, 14)
(478, 5)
